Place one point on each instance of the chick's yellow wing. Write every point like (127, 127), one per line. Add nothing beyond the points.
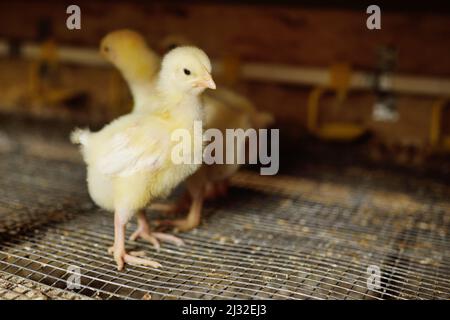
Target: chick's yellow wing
(133, 150)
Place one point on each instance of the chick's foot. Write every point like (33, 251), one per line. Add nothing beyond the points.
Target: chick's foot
(193, 218)
(153, 237)
(182, 225)
(134, 258)
(143, 231)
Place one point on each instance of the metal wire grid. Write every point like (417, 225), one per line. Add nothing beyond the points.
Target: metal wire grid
(16, 288)
(285, 238)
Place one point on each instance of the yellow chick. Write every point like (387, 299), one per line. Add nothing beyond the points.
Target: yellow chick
(129, 162)
(223, 110)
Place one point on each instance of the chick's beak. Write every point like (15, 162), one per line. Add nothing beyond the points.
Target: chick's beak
(206, 82)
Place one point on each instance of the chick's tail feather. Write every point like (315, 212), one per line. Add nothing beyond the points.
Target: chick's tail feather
(80, 136)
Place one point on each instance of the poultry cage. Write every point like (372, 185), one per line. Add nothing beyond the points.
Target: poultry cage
(330, 225)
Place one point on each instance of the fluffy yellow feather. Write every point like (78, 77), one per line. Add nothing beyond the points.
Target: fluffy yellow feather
(129, 161)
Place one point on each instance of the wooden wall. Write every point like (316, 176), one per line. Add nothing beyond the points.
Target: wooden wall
(267, 33)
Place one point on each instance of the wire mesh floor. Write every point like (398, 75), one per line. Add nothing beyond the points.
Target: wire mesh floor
(272, 238)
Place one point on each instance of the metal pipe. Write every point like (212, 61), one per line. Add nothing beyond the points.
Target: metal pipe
(287, 74)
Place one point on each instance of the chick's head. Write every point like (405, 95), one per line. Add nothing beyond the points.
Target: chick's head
(186, 69)
(128, 51)
(116, 45)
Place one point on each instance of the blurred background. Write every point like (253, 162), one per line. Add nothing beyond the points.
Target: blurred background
(364, 119)
(316, 67)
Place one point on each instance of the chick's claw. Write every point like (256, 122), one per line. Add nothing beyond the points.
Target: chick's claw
(137, 253)
(147, 236)
(143, 231)
(153, 238)
(133, 258)
(169, 238)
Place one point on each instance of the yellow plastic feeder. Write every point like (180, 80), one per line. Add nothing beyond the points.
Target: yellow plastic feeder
(438, 141)
(43, 79)
(337, 131)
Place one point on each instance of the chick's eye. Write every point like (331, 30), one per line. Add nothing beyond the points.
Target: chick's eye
(106, 48)
(186, 72)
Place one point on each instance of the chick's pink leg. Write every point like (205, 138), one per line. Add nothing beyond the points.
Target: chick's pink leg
(143, 231)
(118, 249)
(193, 218)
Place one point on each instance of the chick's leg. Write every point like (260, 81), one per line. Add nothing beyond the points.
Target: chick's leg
(222, 188)
(143, 231)
(193, 218)
(120, 255)
(173, 208)
(210, 191)
(216, 190)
